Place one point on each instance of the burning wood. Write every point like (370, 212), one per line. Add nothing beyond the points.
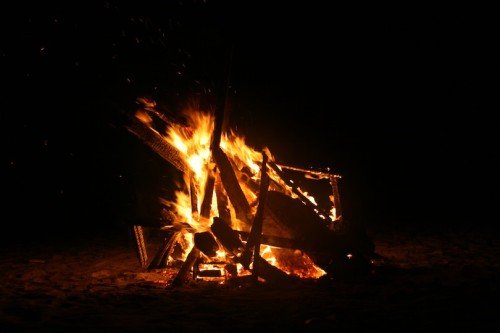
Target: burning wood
(157, 143)
(232, 199)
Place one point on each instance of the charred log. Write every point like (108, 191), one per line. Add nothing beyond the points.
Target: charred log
(206, 243)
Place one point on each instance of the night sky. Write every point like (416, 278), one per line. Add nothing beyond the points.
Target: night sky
(397, 100)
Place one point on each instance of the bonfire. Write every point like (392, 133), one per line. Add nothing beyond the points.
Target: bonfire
(240, 215)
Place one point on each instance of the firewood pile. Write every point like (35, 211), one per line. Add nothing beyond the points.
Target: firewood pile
(245, 219)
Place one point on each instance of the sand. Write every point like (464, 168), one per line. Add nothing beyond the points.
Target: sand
(448, 281)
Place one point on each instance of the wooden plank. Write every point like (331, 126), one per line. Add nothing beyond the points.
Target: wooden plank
(158, 144)
(140, 244)
(232, 187)
(222, 200)
(253, 241)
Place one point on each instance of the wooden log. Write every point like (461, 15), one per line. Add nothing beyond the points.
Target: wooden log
(158, 144)
(206, 243)
(232, 187)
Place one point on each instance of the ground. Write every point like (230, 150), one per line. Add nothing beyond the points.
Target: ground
(446, 280)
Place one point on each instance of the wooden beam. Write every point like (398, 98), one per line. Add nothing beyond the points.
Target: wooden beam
(253, 241)
(158, 144)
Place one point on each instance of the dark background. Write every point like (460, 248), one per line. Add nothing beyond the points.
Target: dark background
(397, 100)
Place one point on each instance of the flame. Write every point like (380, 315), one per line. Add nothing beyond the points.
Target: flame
(194, 141)
(235, 147)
